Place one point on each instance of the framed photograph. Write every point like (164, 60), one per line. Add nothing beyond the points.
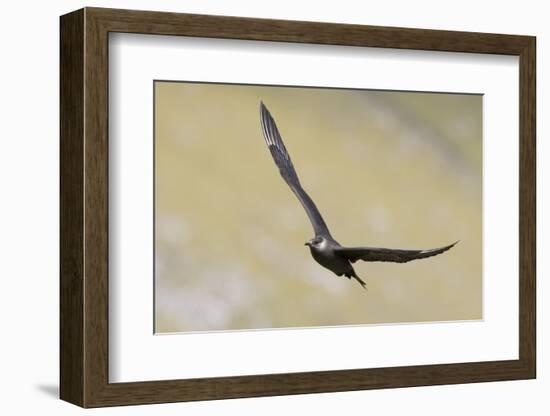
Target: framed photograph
(255, 207)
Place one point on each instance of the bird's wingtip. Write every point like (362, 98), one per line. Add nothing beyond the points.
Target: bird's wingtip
(450, 246)
(442, 249)
(264, 112)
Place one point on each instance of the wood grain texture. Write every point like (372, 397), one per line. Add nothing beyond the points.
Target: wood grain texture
(527, 208)
(96, 219)
(72, 215)
(162, 23)
(84, 207)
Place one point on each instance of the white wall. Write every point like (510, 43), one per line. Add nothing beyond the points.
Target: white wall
(29, 220)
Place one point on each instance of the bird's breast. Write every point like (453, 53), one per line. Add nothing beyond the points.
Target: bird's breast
(324, 255)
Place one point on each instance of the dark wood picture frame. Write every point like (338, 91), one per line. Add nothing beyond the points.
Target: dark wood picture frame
(84, 207)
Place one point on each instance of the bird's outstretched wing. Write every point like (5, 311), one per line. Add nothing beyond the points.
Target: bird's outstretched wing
(286, 168)
(388, 254)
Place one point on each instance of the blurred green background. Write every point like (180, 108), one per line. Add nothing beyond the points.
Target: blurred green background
(388, 169)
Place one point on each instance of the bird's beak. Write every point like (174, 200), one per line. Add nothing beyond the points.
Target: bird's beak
(307, 243)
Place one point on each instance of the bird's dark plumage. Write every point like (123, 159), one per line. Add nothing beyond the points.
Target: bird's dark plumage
(286, 168)
(324, 248)
(388, 254)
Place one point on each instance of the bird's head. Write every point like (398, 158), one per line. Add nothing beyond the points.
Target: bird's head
(314, 242)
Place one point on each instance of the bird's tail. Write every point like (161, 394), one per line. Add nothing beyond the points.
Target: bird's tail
(354, 275)
(361, 282)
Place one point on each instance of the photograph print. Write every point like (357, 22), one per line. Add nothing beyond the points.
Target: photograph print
(302, 207)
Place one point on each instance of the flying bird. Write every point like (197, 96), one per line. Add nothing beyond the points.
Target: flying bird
(324, 248)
